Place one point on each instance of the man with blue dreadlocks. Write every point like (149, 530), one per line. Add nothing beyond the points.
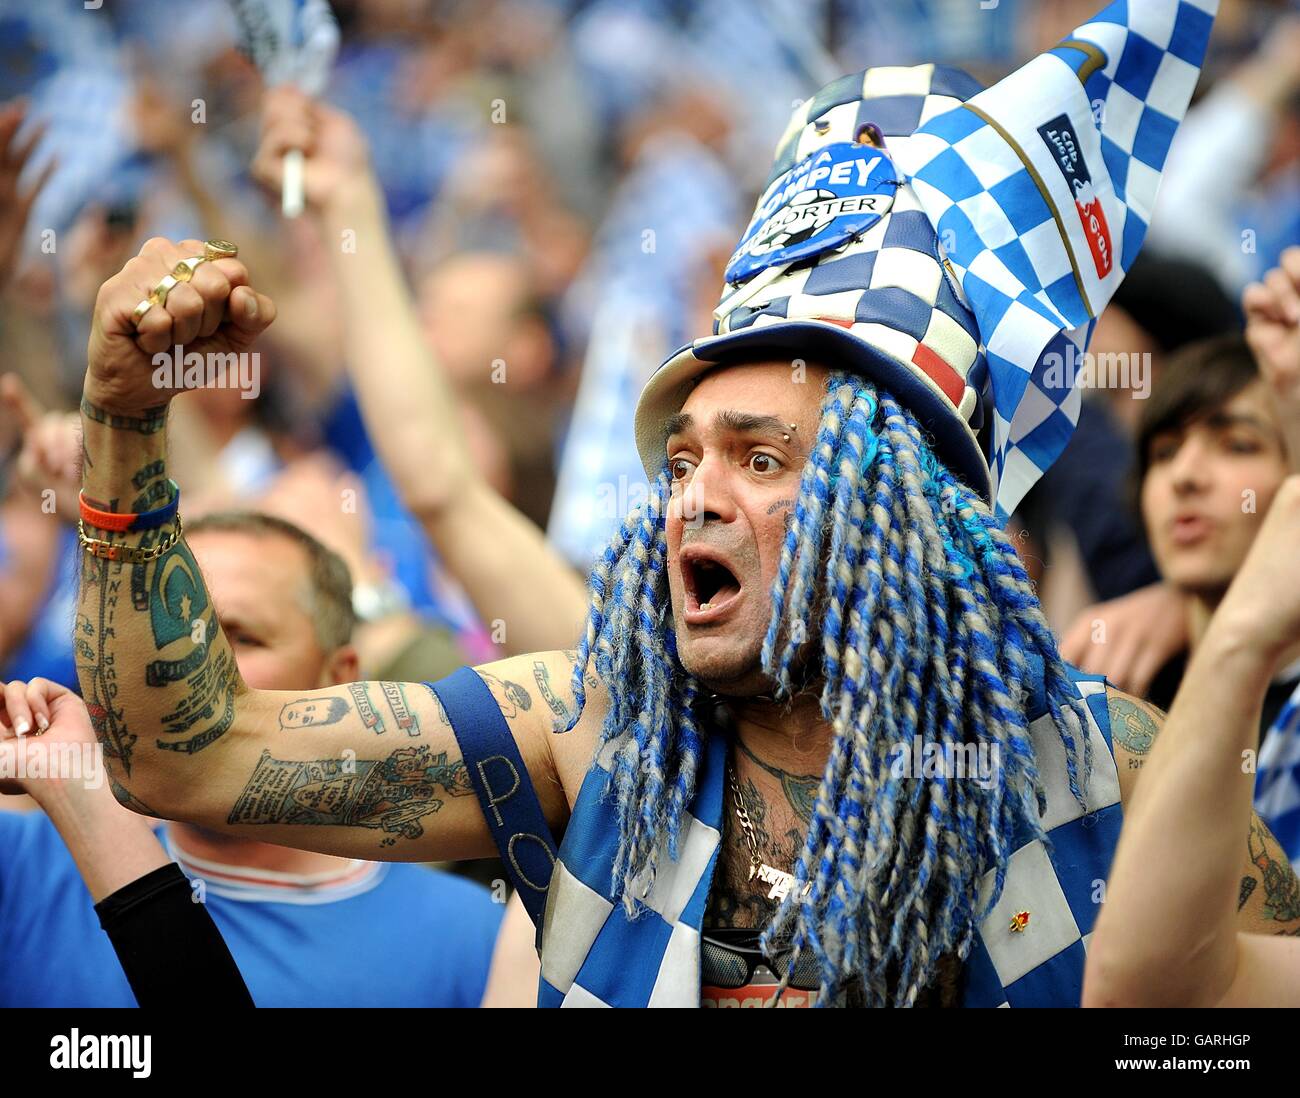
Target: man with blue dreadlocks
(815, 743)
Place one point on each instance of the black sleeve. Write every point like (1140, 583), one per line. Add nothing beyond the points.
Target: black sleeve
(169, 947)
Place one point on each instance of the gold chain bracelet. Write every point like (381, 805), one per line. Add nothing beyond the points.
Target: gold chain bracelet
(130, 554)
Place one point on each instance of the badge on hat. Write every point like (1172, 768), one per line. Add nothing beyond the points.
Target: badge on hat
(826, 199)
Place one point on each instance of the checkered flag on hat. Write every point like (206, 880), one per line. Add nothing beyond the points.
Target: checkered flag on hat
(1041, 189)
(956, 245)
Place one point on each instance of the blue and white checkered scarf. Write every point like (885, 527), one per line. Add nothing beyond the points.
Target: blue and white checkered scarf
(1277, 781)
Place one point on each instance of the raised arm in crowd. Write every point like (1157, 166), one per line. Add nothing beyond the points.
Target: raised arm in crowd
(499, 557)
(185, 737)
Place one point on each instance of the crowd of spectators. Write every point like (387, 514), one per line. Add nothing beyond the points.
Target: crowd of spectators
(563, 181)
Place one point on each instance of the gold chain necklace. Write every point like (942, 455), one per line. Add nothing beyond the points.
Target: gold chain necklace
(779, 879)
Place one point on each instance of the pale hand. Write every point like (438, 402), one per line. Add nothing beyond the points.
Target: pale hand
(1129, 639)
(16, 203)
(216, 312)
(161, 122)
(336, 159)
(29, 707)
(1272, 309)
(51, 445)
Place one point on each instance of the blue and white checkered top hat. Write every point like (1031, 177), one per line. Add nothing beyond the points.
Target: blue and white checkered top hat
(953, 245)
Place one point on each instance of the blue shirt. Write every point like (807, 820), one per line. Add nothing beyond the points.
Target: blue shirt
(386, 935)
(47, 648)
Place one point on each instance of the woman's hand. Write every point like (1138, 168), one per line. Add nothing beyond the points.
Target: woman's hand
(35, 717)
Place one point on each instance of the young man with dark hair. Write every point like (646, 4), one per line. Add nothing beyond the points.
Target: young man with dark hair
(1211, 454)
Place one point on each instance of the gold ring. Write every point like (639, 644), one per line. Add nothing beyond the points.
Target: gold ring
(220, 249)
(158, 295)
(184, 270)
(140, 310)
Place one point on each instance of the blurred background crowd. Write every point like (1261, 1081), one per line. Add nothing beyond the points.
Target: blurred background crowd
(564, 182)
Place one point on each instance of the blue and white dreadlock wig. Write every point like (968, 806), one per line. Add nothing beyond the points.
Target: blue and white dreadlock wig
(927, 625)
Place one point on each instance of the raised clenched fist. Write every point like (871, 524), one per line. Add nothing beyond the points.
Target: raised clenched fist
(216, 312)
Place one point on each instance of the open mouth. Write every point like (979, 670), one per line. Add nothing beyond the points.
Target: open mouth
(711, 587)
(1190, 529)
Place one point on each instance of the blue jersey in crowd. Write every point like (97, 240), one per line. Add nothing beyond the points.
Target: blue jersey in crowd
(370, 935)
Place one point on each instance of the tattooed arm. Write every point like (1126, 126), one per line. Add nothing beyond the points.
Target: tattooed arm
(1268, 891)
(366, 769)
(373, 769)
(1177, 899)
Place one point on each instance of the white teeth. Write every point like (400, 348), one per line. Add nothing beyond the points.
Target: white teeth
(704, 605)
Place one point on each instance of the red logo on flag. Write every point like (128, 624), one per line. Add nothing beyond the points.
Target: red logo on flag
(1095, 228)
(1067, 153)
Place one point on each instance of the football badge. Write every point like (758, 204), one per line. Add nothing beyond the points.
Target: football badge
(829, 197)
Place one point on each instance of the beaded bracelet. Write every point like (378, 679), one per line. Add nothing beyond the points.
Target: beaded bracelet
(120, 522)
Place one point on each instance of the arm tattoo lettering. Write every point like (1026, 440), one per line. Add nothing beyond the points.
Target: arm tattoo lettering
(157, 491)
(161, 672)
(542, 677)
(365, 709)
(395, 696)
(571, 654)
(101, 582)
(155, 470)
(391, 795)
(153, 420)
(210, 693)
